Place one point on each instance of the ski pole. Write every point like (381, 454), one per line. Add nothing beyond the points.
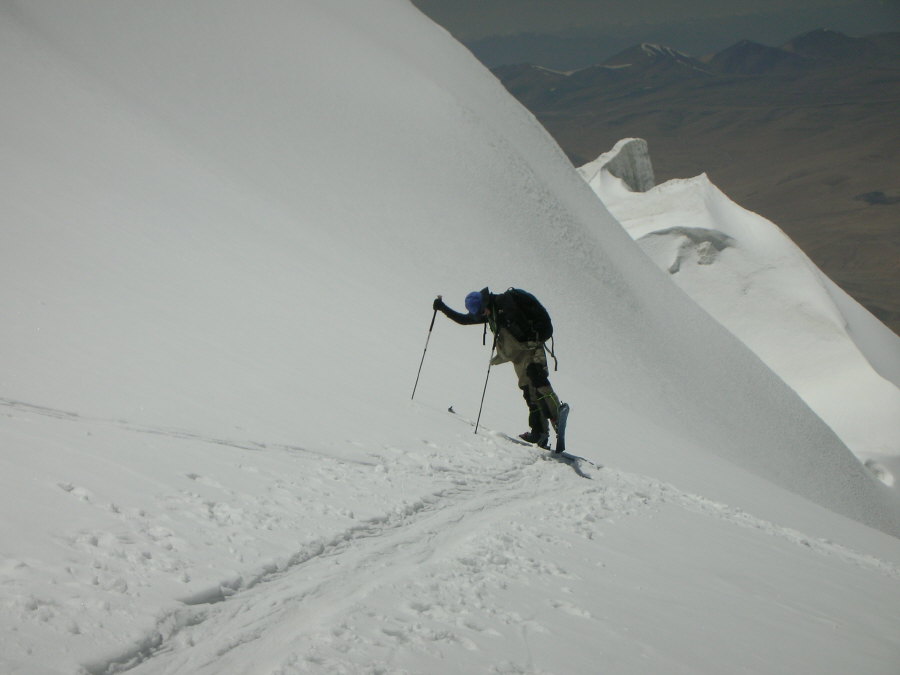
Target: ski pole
(430, 328)
(478, 419)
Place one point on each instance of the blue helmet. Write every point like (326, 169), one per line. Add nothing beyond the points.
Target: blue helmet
(475, 302)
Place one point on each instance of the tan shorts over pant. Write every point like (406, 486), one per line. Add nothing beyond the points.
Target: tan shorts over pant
(530, 363)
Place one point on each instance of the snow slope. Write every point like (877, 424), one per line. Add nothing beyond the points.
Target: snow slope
(751, 277)
(223, 229)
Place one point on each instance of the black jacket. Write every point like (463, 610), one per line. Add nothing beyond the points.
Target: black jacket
(505, 313)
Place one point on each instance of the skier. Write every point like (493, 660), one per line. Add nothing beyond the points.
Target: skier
(520, 326)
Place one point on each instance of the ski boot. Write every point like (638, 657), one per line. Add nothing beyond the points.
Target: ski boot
(560, 426)
(539, 438)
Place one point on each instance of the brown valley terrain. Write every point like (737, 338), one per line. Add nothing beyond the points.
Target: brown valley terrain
(807, 135)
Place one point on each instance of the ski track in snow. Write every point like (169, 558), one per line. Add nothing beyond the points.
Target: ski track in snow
(22, 406)
(315, 600)
(439, 557)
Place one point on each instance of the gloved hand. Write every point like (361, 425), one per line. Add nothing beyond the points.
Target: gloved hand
(438, 304)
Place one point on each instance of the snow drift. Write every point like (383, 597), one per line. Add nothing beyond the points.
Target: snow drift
(223, 229)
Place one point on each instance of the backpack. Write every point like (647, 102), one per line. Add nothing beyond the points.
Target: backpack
(532, 318)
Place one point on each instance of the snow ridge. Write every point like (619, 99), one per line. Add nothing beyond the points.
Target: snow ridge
(752, 278)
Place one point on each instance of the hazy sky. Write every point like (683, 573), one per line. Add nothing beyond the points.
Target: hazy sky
(473, 19)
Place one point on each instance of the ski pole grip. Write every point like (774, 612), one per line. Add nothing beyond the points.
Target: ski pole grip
(434, 316)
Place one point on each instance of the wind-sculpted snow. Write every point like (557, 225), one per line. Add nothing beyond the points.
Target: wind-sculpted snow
(224, 226)
(751, 277)
(629, 161)
(693, 244)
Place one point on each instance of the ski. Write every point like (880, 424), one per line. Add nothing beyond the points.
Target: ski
(560, 456)
(572, 460)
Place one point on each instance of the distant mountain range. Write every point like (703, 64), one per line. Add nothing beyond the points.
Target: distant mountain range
(806, 134)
